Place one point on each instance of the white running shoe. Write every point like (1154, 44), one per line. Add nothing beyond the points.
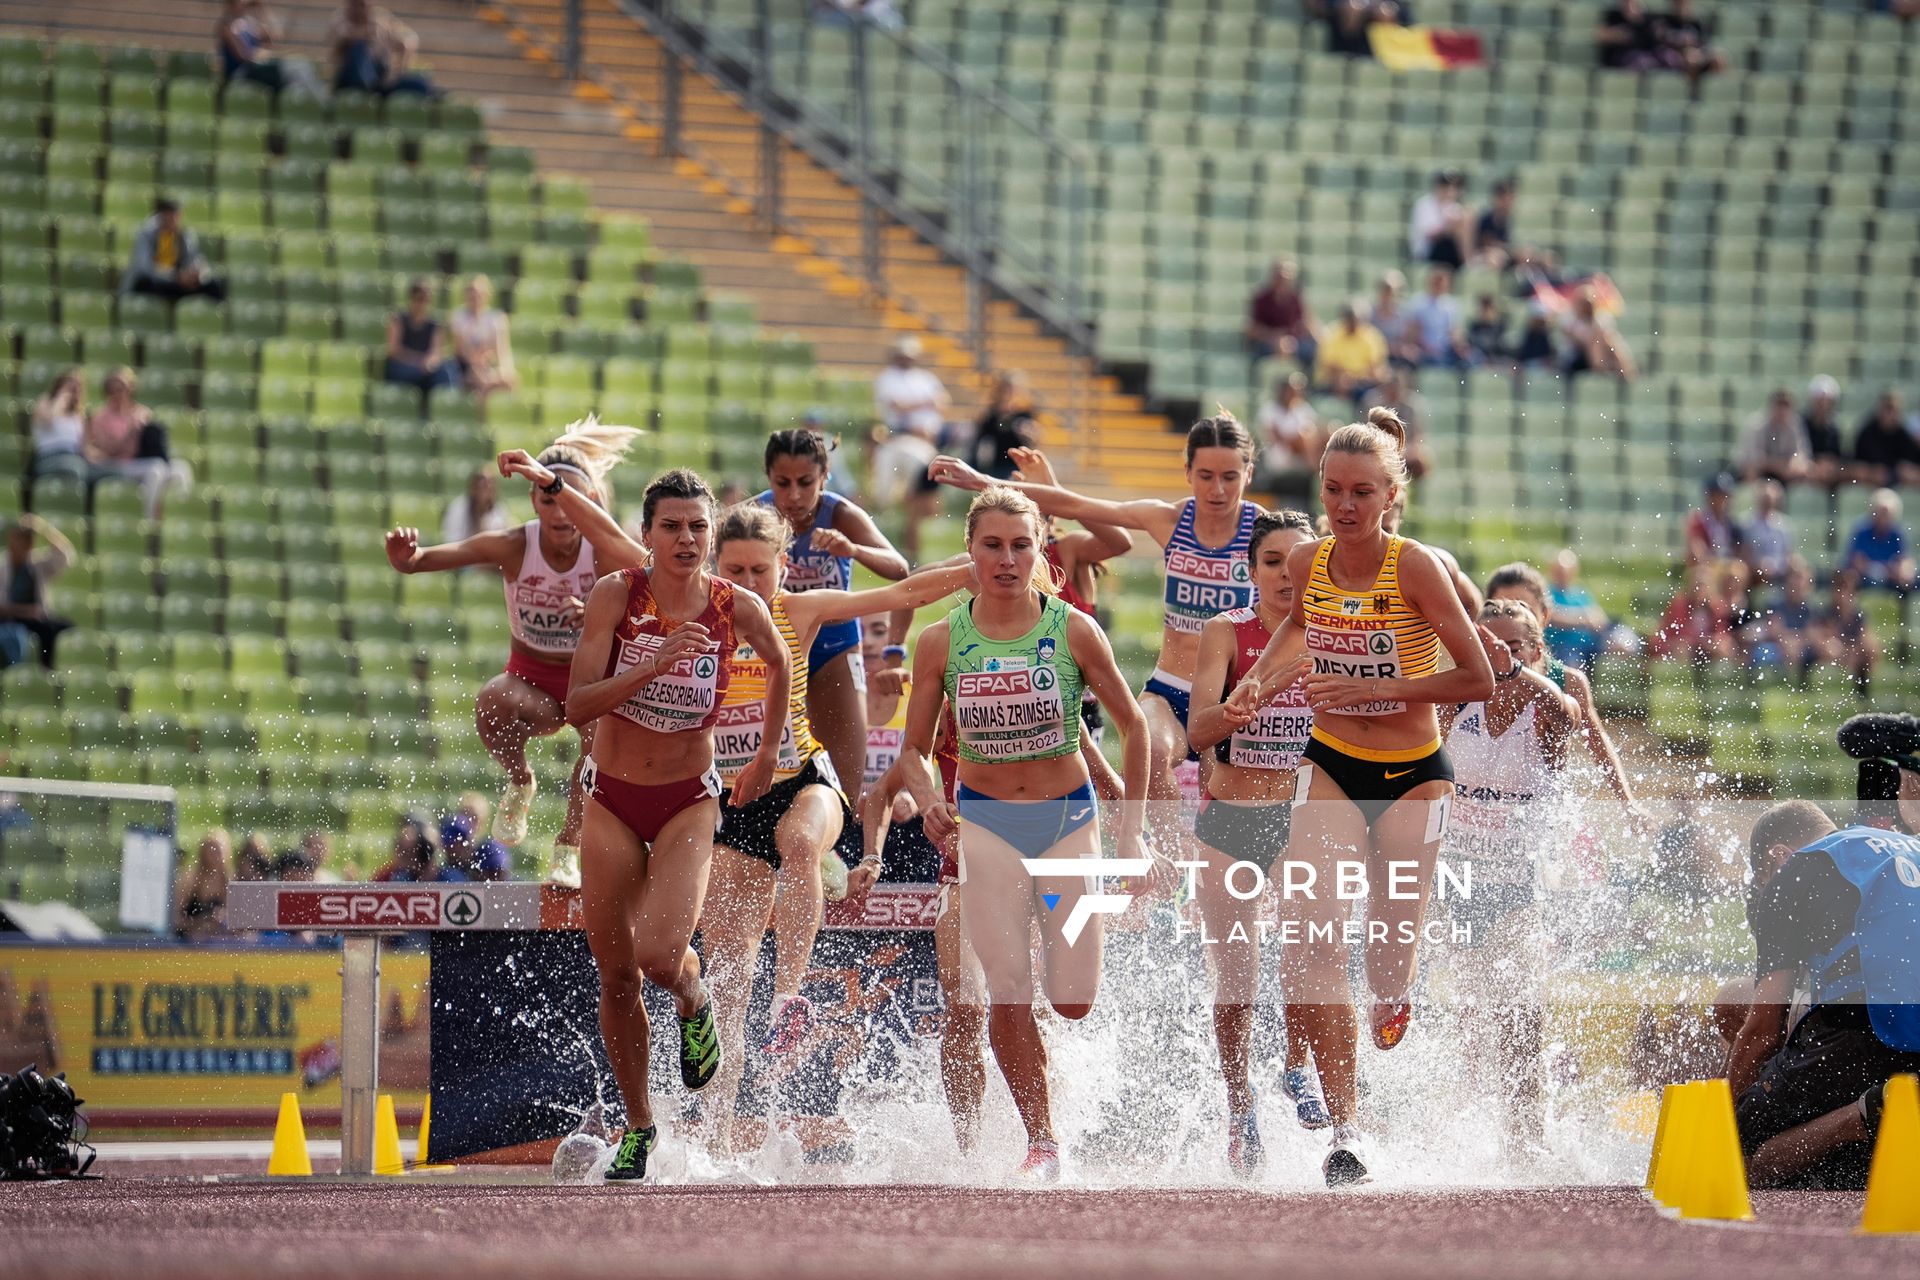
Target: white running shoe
(510, 819)
(1041, 1167)
(564, 869)
(1347, 1161)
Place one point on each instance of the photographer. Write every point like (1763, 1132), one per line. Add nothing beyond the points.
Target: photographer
(1833, 914)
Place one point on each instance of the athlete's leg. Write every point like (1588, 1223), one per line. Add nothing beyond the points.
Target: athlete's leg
(963, 1071)
(613, 871)
(576, 795)
(1166, 749)
(837, 706)
(1406, 844)
(732, 923)
(1327, 829)
(676, 886)
(805, 831)
(1071, 975)
(999, 923)
(1233, 929)
(509, 712)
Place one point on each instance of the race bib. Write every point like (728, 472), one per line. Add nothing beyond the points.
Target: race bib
(811, 573)
(1198, 587)
(883, 748)
(1369, 654)
(681, 697)
(1274, 740)
(542, 618)
(737, 735)
(1010, 712)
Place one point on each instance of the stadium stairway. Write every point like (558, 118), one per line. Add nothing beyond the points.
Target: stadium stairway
(504, 57)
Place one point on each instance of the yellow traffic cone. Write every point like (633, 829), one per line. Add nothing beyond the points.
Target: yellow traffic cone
(1667, 1104)
(386, 1140)
(1716, 1185)
(1893, 1184)
(289, 1158)
(1678, 1123)
(420, 1158)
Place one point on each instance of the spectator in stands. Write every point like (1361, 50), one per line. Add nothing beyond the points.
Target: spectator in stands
(316, 847)
(1493, 233)
(1537, 348)
(732, 493)
(1698, 624)
(1279, 321)
(1766, 540)
(1353, 359)
(245, 34)
(1348, 20)
(1578, 629)
(200, 895)
(1854, 645)
(167, 261)
(251, 860)
(416, 344)
(1775, 446)
(1826, 454)
(60, 430)
(1441, 228)
(912, 404)
(1593, 344)
(124, 442)
(1684, 41)
(476, 809)
(295, 867)
(1435, 317)
(1886, 449)
(1878, 554)
(478, 510)
(373, 52)
(1487, 333)
(1393, 320)
(416, 852)
(467, 858)
(26, 612)
(1291, 440)
(1629, 38)
(481, 341)
(1711, 535)
(1396, 392)
(1794, 636)
(1006, 424)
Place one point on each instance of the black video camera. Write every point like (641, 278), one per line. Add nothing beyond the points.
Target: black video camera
(42, 1133)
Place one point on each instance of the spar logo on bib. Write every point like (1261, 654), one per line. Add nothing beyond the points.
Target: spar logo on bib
(1380, 644)
(1242, 572)
(704, 666)
(1044, 679)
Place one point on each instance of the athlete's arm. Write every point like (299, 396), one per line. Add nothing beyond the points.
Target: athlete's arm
(1764, 1031)
(1554, 717)
(753, 623)
(1462, 584)
(1151, 516)
(1095, 541)
(1287, 647)
(1600, 743)
(915, 762)
(592, 693)
(1429, 592)
(855, 534)
(1209, 719)
(810, 610)
(1100, 770)
(1094, 656)
(406, 555)
(613, 546)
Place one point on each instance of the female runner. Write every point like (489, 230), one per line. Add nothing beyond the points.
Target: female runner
(767, 855)
(654, 664)
(1522, 582)
(1204, 541)
(1507, 752)
(549, 568)
(1245, 817)
(1012, 662)
(1373, 611)
(830, 536)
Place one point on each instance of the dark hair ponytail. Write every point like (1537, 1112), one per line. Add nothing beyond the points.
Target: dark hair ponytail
(797, 442)
(1268, 523)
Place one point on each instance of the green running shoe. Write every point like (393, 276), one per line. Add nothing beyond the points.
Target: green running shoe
(630, 1159)
(699, 1047)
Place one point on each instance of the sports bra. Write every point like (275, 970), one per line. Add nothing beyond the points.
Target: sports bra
(688, 695)
(1367, 635)
(1202, 580)
(537, 614)
(742, 723)
(1277, 736)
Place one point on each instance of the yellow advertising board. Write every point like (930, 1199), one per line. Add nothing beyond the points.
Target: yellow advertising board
(170, 1036)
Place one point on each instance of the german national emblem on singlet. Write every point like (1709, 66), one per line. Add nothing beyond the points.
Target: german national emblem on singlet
(1382, 602)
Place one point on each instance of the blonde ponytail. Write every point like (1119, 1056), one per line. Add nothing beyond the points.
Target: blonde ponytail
(1382, 436)
(590, 448)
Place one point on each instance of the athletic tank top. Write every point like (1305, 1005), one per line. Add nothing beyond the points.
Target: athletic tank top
(687, 696)
(743, 711)
(1367, 635)
(1279, 733)
(1496, 780)
(1017, 699)
(1203, 580)
(808, 569)
(1064, 581)
(1557, 672)
(537, 599)
(883, 740)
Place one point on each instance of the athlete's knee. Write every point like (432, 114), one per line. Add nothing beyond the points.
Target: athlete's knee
(661, 964)
(1073, 1012)
(621, 982)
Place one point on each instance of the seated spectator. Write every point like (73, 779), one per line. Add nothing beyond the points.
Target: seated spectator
(1629, 38)
(1394, 322)
(481, 341)
(200, 896)
(1886, 449)
(1435, 327)
(1795, 637)
(1855, 647)
(912, 404)
(1830, 921)
(1291, 441)
(1348, 20)
(1578, 629)
(295, 867)
(1877, 552)
(1537, 348)
(1766, 540)
(252, 861)
(167, 261)
(1775, 445)
(416, 344)
(1353, 358)
(1826, 454)
(244, 34)
(1711, 535)
(478, 510)
(1487, 333)
(1698, 625)
(26, 611)
(1396, 392)
(476, 808)
(124, 442)
(416, 853)
(1279, 322)
(468, 858)
(1593, 344)
(1493, 244)
(316, 848)
(1441, 228)
(1006, 424)
(1684, 41)
(373, 52)
(59, 430)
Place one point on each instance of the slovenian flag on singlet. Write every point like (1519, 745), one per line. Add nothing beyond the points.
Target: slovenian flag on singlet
(1425, 48)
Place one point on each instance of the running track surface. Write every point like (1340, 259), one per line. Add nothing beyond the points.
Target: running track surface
(145, 1223)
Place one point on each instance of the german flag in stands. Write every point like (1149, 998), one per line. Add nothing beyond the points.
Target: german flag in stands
(1425, 48)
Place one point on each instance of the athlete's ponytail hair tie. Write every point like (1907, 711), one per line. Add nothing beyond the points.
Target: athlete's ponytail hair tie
(1383, 437)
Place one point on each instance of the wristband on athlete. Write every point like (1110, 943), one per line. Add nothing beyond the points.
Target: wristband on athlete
(553, 487)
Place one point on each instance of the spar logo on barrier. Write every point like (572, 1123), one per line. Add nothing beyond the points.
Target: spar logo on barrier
(379, 907)
(346, 909)
(1090, 904)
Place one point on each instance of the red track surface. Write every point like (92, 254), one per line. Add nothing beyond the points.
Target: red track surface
(135, 1223)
